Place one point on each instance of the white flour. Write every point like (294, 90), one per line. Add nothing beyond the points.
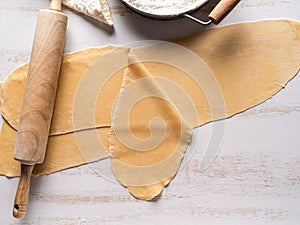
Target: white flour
(97, 9)
(165, 7)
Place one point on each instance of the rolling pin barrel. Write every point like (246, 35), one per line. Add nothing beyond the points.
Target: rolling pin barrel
(40, 91)
(39, 98)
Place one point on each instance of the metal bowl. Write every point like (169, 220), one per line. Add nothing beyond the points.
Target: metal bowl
(162, 14)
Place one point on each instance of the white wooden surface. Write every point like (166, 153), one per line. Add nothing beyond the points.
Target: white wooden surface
(254, 180)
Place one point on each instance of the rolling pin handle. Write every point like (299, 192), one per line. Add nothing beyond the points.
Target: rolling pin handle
(55, 5)
(22, 194)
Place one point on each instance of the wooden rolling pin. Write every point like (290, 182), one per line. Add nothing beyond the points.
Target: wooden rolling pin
(39, 97)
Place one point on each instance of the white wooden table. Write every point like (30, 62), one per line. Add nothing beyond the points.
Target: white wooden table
(254, 180)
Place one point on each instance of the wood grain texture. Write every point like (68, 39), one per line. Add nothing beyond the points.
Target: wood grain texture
(39, 98)
(55, 5)
(254, 180)
(22, 195)
(223, 8)
(41, 85)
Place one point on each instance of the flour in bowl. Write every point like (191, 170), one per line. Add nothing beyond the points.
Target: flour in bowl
(165, 7)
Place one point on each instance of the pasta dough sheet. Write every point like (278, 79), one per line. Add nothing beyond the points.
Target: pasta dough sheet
(249, 63)
(214, 74)
(80, 88)
(66, 148)
(147, 164)
(62, 151)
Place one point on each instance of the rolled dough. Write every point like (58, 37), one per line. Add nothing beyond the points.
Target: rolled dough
(66, 148)
(249, 63)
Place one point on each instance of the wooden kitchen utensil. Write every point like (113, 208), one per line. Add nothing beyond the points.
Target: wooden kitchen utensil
(39, 97)
(222, 9)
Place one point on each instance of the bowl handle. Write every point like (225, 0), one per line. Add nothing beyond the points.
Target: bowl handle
(197, 20)
(222, 9)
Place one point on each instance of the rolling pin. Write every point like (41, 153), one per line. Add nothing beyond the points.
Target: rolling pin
(39, 98)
